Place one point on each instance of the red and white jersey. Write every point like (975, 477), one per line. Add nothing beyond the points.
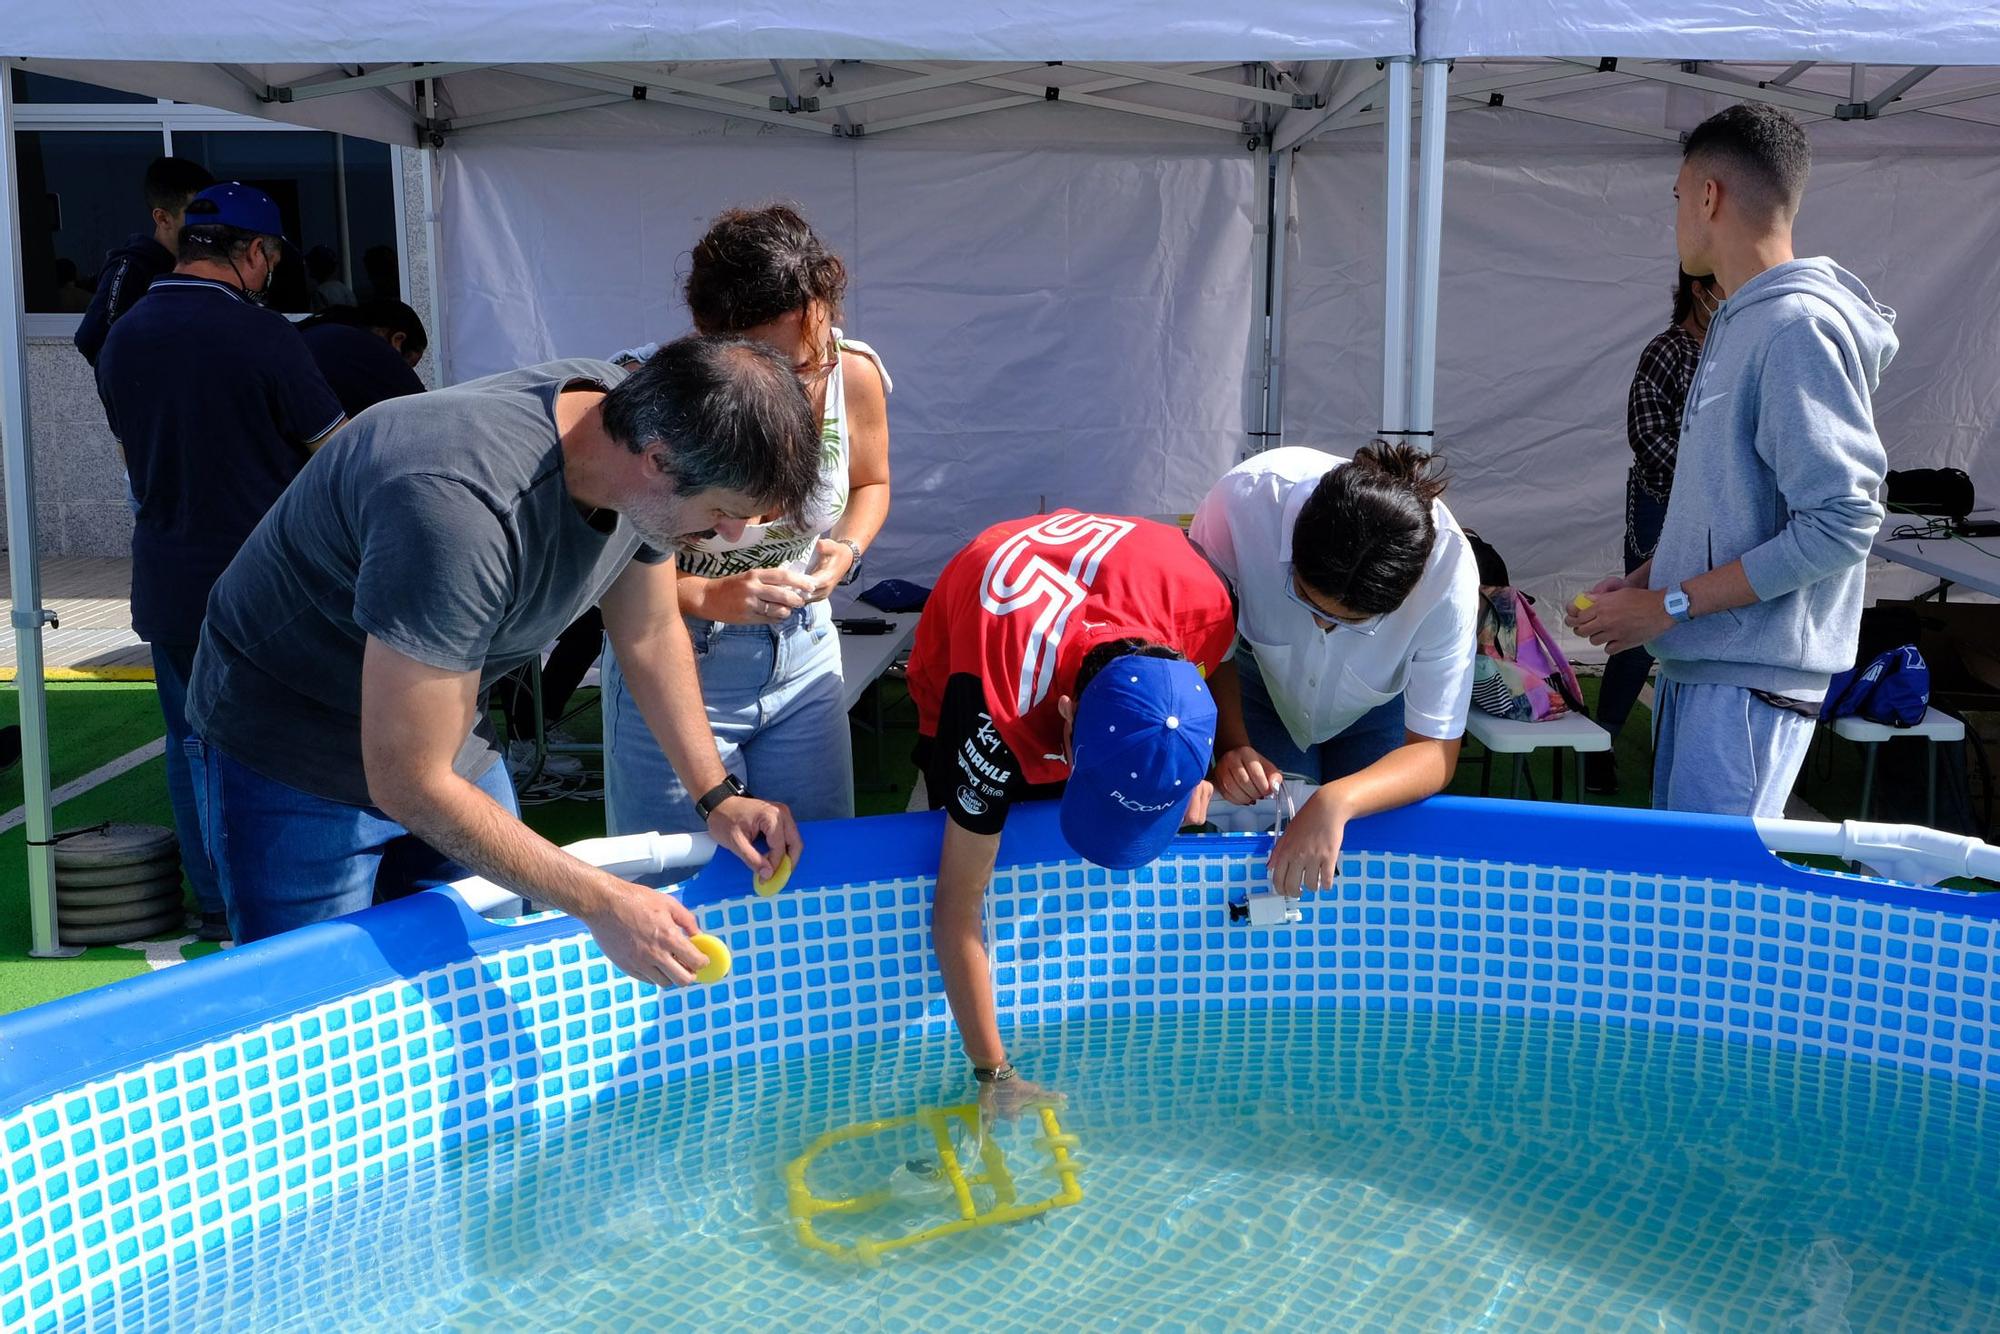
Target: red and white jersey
(1023, 603)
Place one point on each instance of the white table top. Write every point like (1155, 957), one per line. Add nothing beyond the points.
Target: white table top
(863, 658)
(1504, 736)
(1973, 563)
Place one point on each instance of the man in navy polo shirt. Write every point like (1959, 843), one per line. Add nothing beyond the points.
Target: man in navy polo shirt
(217, 405)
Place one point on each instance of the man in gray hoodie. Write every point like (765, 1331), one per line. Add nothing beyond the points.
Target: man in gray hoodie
(1753, 599)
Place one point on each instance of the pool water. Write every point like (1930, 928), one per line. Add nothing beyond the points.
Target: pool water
(1257, 1170)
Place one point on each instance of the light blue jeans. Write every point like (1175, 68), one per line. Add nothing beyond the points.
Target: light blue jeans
(1719, 750)
(773, 695)
(1366, 740)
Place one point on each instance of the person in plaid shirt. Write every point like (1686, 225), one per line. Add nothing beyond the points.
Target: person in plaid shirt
(1653, 428)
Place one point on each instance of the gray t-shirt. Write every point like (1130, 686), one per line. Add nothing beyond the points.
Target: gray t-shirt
(440, 524)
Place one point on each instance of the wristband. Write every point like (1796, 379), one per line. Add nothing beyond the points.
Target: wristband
(999, 1074)
(730, 786)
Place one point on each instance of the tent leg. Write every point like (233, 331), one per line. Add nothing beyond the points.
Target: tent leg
(1281, 235)
(433, 229)
(1430, 235)
(1396, 260)
(1260, 305)
(24, 566)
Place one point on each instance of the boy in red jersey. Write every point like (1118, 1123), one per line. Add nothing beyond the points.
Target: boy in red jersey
(1060, 655)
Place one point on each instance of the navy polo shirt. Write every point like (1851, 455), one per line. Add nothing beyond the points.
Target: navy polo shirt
(214, 399)
(361, 367)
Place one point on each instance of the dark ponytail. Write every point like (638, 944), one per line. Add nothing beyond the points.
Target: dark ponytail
(1366, 532)
(756, 264)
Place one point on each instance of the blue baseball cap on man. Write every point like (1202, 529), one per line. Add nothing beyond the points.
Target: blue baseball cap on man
(1142, 740)
(234, 204)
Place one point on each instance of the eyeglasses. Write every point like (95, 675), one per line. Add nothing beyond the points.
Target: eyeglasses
(1367, 625)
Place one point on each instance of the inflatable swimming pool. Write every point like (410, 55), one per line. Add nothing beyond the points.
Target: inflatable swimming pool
(1532, 1065)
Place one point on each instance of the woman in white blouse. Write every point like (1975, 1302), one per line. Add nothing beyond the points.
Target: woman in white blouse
(1357, 604)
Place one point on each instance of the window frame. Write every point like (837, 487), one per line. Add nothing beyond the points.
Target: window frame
(164, 117)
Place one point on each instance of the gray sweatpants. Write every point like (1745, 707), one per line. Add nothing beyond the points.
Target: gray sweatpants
(1719, 750)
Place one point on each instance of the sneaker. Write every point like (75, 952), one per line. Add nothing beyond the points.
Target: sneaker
(521, 762)
(210, 925)
(1600, 773)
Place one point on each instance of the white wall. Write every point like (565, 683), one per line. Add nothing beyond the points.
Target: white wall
(1067, 326)
(1558, 262)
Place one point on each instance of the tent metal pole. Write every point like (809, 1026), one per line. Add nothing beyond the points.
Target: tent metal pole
(1281, 233)
(24, 563)
(1430, 237)
(433, 256)
(1396, 259)
(1260, 296)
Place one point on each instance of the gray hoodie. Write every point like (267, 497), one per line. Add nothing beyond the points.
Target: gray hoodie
(1779, 467)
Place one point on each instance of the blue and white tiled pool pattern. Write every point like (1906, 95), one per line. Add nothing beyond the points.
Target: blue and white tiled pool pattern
(115, 1187)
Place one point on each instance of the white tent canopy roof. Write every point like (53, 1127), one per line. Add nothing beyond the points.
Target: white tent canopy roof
(495, 32)
(1885, 32)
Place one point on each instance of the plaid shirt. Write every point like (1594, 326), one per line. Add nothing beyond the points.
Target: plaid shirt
(1653, 412)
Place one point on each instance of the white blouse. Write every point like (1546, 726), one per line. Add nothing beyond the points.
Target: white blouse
(1323, 681)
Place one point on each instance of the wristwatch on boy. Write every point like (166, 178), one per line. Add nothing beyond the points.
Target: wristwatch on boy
(1677, 605)
(730, 786)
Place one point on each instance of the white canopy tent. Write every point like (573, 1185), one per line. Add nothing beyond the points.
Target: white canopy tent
(858, 108)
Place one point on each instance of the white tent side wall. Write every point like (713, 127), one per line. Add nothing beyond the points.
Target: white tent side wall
(1066, 324)
(1558, 262)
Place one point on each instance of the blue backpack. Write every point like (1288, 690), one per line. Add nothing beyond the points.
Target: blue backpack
(1894, 690)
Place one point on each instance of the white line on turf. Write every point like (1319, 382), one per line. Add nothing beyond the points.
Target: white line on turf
(76, 787)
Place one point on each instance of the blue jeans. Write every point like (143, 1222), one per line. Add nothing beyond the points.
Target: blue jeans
(1625, 673)
(172, 665)
(1366, 740)
(287, 859)
(773, 694)
(1719, 750)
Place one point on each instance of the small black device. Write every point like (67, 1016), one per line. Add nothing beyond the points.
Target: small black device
(864, 625)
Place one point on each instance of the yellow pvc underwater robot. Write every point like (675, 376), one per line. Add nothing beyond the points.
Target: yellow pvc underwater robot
(1007, 1206)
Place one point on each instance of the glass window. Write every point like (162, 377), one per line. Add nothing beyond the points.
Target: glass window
(336, 197)
(43, 89)
(82, 193)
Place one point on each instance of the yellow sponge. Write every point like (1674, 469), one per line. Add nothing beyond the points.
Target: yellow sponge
(781, 874)
(1583, 602)
(718, 958)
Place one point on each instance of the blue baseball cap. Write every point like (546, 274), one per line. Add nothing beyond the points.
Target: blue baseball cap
(1142, 741)
(234, 204)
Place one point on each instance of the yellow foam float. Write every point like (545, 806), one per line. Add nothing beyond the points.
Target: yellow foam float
(993, 1174)
(780, 873)
(717, 966)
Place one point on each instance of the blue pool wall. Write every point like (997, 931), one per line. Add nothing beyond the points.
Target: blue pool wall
(145, 1123)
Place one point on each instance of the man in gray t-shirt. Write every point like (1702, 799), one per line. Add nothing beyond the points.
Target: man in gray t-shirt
(439, 542)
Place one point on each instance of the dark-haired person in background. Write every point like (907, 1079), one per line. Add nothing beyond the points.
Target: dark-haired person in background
(1653, 430)
(1357, 611)
(1059, 655)
(216, 406)
(368, 353)
(1753, 599)
(129, 270)
(756, 604)
(435, 545)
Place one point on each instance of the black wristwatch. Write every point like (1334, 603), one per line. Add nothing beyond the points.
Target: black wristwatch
(997, 1074)
(730, 786)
